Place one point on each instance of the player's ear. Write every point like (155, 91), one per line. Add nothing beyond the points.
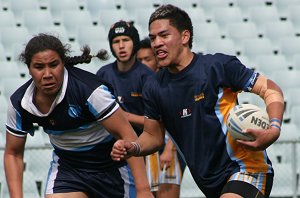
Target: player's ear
(185, 36)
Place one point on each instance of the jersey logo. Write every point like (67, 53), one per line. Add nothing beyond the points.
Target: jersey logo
(120, 99)
(135, 94)
(74, 111)
(185, 113)
(199, 97)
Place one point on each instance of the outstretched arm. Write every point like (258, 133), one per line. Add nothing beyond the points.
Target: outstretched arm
(150, 141)
(14, 165)
(118, 125)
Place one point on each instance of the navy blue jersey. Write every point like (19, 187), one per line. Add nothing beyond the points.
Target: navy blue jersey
(193, 104)
(127, 86)
(72, 122)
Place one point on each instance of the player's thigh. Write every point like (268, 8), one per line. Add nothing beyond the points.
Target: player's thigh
(68, 195)
(168, 190)
(230, 195)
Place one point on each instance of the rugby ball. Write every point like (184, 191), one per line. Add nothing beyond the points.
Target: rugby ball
(246, 116)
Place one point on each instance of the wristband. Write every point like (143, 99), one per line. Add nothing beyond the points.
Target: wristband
(275, 120)
(136, 148)
(276, 126)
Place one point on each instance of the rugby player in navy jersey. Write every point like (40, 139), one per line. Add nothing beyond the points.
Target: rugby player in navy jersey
(127, 76)
(191, 97)
(82, 118)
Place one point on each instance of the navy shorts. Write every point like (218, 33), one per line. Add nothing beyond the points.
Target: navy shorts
(116, 182)
(243, 188)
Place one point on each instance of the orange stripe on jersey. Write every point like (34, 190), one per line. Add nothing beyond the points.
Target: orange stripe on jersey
(248, 161)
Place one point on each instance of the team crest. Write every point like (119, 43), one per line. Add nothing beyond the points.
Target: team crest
(119, 30)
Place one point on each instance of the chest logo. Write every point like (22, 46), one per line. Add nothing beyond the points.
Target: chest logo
(185, 113)
(199, 97)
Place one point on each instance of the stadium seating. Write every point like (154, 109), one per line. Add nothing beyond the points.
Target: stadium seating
(282, 180)
(90, 34)
(210, 5)
(225, 46)
(30, 189)
(268, 63)
(245, 6)
(225, 15)
(2, 53)
(7, 19)
(58, 7)
(289, 46)
(254, 47)
(198, 15)
(294, 17)
(18, 7)
(239, 31)
(11, 36)
(110, 16)
(263, 14)
(142, 16)
(83, 18)
(182, 4)
(249, 98)
(41, 18)
(275, 30)
(203, 31)
(59, 31)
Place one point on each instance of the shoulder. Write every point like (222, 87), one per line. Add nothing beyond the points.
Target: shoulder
(84, 80)
(218, 57)
(104, 69)
(17, 96)
(143, 68)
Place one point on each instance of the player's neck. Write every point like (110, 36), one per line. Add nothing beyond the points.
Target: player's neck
(125, 66)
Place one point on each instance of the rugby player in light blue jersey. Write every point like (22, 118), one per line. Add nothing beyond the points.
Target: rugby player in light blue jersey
(82, 118)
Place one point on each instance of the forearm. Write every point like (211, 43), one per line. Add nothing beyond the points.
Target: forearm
(14, 168)
(169, 146)
(137, 166)
(272, 95)
(136, 120)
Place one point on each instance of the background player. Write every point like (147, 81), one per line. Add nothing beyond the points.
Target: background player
(80, 115)
(191, 99)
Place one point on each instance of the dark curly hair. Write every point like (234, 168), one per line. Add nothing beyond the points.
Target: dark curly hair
(43, 42)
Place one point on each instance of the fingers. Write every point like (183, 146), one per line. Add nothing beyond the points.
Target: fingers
(118, 151)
